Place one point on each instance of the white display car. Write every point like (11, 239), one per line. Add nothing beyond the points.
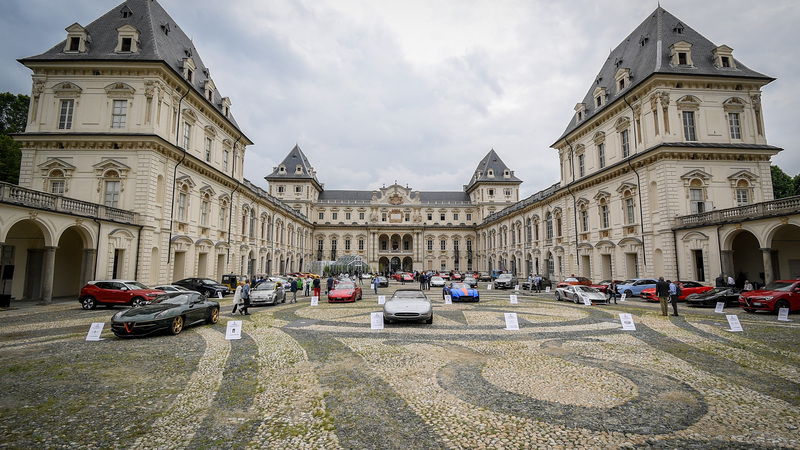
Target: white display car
(408, 305)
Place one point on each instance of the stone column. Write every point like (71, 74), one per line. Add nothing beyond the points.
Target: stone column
(47, 275)
(727, 263)
(766, 253)
(87, 266)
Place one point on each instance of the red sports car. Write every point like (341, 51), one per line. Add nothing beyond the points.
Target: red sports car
(345, 291)
(772, 297)
(687, 288)
(603, 285)
(575, 280)
(116, 292)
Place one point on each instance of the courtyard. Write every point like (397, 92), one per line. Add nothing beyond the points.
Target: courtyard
(307, 376)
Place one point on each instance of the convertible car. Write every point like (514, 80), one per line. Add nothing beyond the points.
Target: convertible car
(408, 305)
(168, 312)
(345, 291)
(461, 292)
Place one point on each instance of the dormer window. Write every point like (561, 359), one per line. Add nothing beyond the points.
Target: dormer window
(189, 68)
(643, 40)
(298, 169)
(77, 38)
(127, 39)
(126, 12)
(281, 169)
(226, 106)
(507, 174)
(580, 111)
(623, 78)
(490, 173)
(681, 54)
(723, 57)
(210, 88)
(678, 28)
(599, 95)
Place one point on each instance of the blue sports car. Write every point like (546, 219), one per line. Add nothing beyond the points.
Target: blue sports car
(462, 292)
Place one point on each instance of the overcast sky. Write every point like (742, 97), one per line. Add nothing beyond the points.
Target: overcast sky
(419, 91)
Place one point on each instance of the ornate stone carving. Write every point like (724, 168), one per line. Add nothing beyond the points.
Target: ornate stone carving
(395, 199)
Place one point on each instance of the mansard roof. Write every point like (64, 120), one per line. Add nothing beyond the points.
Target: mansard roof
(491, 163)
(290, 162)
(646, 52)
(427, 198)
(160, 40)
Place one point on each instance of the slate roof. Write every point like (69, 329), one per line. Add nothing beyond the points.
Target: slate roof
(490, 161)
(290, 162)
(160, 40)
(646, 52)
(365, 197)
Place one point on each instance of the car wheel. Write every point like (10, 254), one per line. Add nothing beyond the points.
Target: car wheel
(781, 304)
(177, 325)
(386, 321)
(138, 301)
(89, 303)
(575, 299)
(430, 320)
(628, 293)
(214, 316)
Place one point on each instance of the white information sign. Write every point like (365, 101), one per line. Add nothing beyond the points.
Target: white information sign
(511, 321)
(376, 320)
(381, 299)
(547, 289)
(234, 330)
(733, 322)
(513, 298)
(94, 331)
(516, 287)
(314, 301)
(219, 294)
(627, 321)
(488, 287)
(622, 297)
(783, 315)
(448, 299)
(720, 307)
(587, 301)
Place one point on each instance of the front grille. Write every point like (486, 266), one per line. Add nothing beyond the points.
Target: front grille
(407, 314)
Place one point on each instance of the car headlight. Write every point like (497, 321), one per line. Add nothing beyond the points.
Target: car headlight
(163, 314)
(151, 294)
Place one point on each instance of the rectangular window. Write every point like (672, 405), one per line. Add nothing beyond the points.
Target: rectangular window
(441, 217)
(119, 113)
(126, 44)
(584, 220)
(682, 60)
(697, 201)
(346, 216)
(74, 44)
(688, 126)
(57, 186)
(604, 216)
(491, 192)
(208, 149)
(430, 216)
(335, 216)
(361, 245)
(223, 218)
(65, 118)
(187, 131)
(111, 197)
(601, 154)
(225, 155)
(407, 217)
(182, 207)
(430, 246)
(406, 246)
(742, 196)
(281, 189)
(361, 216)
(581, 165)
(321, 215)
(347, 244)
(508, 192)
(626, 147)
(455, 217)
(383, 217)
(736, 130)
(469, 217)
(629, 211)
(443, 244)
(204, 214)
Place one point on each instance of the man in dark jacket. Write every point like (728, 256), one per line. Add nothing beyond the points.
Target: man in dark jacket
(329, 284)
(662, 291)
(293, 288)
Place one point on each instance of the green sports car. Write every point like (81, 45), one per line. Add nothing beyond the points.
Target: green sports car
(169, 312)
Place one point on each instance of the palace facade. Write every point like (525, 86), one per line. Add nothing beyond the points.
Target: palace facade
(132, 168)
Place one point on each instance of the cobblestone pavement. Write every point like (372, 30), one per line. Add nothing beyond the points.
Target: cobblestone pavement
(319, 377)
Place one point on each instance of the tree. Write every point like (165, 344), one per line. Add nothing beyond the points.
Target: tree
(13, 119)
(782, 184)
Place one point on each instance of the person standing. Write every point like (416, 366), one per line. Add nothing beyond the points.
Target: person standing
(675, 292)
(316, 286)
(612, 292)
(293, 288)
(720, 281)
(329, 284)
(421, 277)
(375, 283)
(245, 299)
(530, 282)
(237, 297)
(662, 291)
(538, 281)
(731, 281)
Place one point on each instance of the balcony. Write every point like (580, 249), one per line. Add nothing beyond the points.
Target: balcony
(16, 195)
(780, 207)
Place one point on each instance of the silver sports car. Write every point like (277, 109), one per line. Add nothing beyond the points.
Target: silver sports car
(577, 292)
(408, 304)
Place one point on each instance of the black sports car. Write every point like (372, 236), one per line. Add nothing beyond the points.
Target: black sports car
(728, 295)
(171, 312)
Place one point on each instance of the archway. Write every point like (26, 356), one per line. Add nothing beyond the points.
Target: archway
(395, 265)
(74, 264)
(24, 251)
(408, 264)
(748, 262)
(785, 244)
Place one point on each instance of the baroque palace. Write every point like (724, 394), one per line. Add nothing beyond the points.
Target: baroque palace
(132, 168)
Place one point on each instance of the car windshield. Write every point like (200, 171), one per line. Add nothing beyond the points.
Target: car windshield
(586, 289)
(436, 279)
(207, 281)
(504, 276)
(571, 280)
(628, 282)
(344, 285)
(266, 286)
(469, 279)
(459, 286)
(717, 290)
(135, 285)
(779, 286)
(409, 294)
(181, 299)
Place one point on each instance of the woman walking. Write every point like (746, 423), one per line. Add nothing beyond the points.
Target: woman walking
(237, 297)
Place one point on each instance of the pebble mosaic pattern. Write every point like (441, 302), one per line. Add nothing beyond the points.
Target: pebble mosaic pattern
(320, 378)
